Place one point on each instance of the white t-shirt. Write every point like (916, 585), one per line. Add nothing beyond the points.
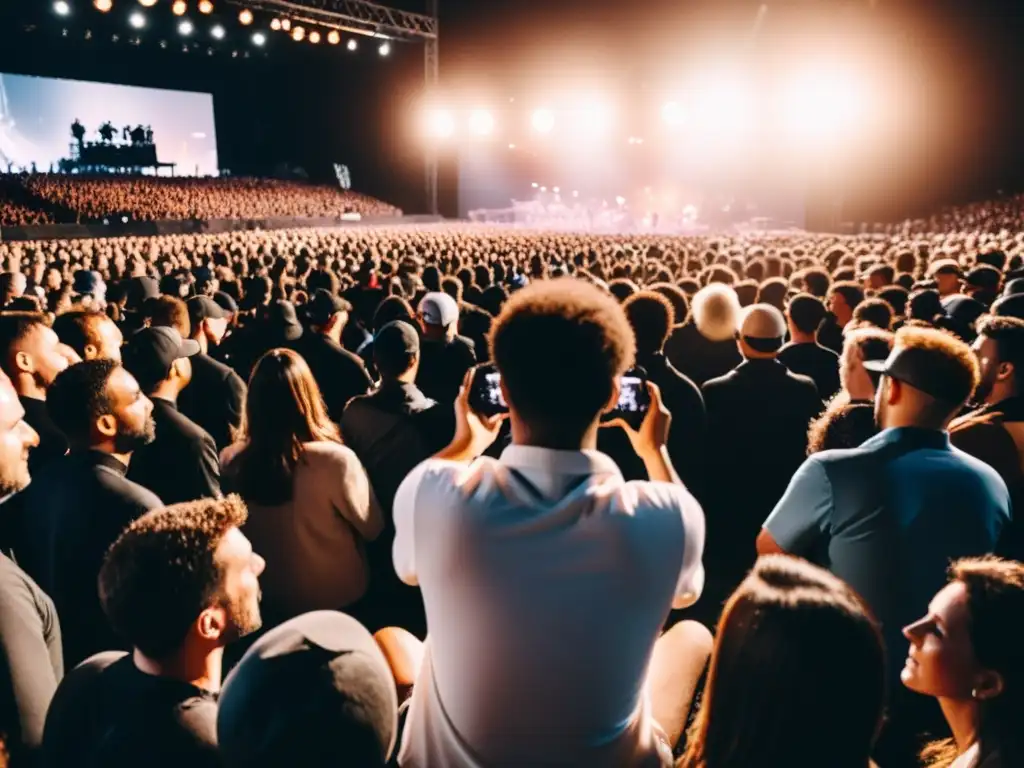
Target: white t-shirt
(546, 579)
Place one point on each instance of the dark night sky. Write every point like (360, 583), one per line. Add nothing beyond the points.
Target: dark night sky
(314, 107)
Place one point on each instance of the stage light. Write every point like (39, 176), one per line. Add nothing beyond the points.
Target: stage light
(511, 146)
(385, 49)
(286, 24)
(819, 106)
(592, 120)
(205, 7)
(556, 190)
(147, 3)
(186, 28)
(259, 39)
(535, 185)
(543, 189)
(245, 17)
(333, 37)
(575, 193)
(620, 200)
(180, 8)
(61, 8)
(314, 37)
(481, 122)
(352, 45)
(440, 124)
(217, 32)
(298, 34)
(543, 121)
(672, 113)
(276, 25)
(137, 20)
(103, 5)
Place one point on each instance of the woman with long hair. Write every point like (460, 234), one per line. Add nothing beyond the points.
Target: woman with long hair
(967, 653)
(311, 508)
(797, 675)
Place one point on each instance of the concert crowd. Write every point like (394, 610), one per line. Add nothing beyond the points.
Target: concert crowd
(253, 515)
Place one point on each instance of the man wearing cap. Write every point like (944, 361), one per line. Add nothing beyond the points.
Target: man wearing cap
(88, 289)
(339, 374)
(181, 464)
(215, 398)
(444, 355)
(758, 416)
(889, 516)
(982, 283)
(947, 276)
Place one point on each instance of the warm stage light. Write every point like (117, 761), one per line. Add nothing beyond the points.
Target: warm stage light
(286, 24)
(275, 25)
(672, 113)
(61, 8)
(543, 121)
(205, 7)
(481, 122)
(186, 28)
(385, 49)
(259, 39)
(137, 20)
(314, 37)
(820, 106)
(103, 5)
(179, 8)
(245, 17)
(147, 3)
(298, 34)
(440, 124)
(217, 32)
(333, 37)
(592, 120)
(352, 44)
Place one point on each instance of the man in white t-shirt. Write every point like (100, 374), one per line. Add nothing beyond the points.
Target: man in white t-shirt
(546, 577)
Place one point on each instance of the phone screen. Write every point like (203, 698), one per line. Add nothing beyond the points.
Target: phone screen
(634, 401)
(485, 394)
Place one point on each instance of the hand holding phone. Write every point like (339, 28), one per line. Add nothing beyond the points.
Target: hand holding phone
(485, 395)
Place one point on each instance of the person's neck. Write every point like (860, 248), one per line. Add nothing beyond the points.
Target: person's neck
(334, 334)
(1001, 392)
(901, 421)
(409, 377)
(962, 717)
(26, 386)
(203, 670)
(842, 322)
(523, 435)
(106, 447)
(203, 342)
(799, 337)
(165, 391)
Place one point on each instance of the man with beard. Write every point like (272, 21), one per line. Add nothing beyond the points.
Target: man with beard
(30, 664)
(994, 432)
(180, 584)
(64, 522)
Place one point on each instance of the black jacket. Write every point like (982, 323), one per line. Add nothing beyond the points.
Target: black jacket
(697, 357)
(52, 443)
(443, 366)
(61, 527)
(181, 464)
(339, 374)
(816, 362)
(214, 399)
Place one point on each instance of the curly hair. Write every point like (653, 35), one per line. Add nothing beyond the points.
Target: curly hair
(1008, 334)
(876, 312)
(560, 345)
(650, 314)
(162, 572)
(951, 359)
(171, 312)
(78, 396)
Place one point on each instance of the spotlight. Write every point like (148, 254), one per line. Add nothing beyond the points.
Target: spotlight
(672, 113)
(137, 20)
(543, 121)
(245, 17)
(352, 44)
(286, 24)
(186, 28)
(511, 146)
(535, 185)
(298, 34)
(556, 190)
(333, 37)
(275, 25)
(217, 32)
(440, 123)
(385, 49)
(259, 39)
(61, 8)
(147, 3)
(103, 5)
(481, 122)
(179, 8)
(205, 7)
(314, 37)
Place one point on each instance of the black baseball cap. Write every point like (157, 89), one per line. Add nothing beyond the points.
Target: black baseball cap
(393, 345)
(150, 353)
(324, 305)
(204, 308)
(226, 302)
(927, 369)
(318, 684)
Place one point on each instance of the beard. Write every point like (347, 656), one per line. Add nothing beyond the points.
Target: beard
(244, 616)
(985, 387)
(14, 477)
(129, 440)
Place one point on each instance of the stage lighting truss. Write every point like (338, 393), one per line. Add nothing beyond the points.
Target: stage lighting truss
(359, 17)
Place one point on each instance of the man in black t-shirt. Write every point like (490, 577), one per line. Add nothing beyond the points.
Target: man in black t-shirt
(445, 357)
(803, 354)
(180, 584)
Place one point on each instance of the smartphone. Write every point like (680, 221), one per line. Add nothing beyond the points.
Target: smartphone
(634, 400)
(485, 392)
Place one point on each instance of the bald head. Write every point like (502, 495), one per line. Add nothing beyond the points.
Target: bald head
(762, 331)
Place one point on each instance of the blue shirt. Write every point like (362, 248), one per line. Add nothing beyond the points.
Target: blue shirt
(889, 517)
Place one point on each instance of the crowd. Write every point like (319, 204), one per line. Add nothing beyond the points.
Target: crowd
(58, 198)
(254, 515)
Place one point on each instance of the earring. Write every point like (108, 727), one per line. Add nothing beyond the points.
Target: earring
(974, 693)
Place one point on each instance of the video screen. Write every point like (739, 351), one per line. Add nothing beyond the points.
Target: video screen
(51, 125)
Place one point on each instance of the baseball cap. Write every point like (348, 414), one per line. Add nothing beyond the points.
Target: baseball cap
(87, 281)
(226, 302)
(945, 267)
(926, 369)
(439, 309)
(317, 683)
(204, 308)
(284, 321)
(984, 277)
(150, 353)
(393, 345)
(324, 305)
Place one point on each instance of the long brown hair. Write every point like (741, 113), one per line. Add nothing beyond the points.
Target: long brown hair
(797, 676)
(283, 411)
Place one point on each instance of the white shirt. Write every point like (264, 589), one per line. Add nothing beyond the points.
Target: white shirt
(546, 579)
